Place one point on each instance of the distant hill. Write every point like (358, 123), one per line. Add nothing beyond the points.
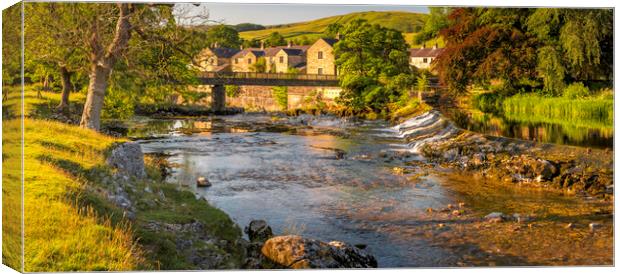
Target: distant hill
(406, 22)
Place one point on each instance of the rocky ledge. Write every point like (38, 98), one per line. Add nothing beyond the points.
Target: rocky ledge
(297, 252)
(571, 169)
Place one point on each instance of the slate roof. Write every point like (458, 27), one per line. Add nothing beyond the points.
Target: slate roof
(330, 41)
(224, 52)
(425, 52)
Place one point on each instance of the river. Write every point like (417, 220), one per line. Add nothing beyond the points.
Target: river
(292, 172)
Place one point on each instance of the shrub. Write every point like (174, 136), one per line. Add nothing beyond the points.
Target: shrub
(576, 91)
(232, 91)
(281, 96)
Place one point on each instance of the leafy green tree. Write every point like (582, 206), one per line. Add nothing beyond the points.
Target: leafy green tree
(224, 36)
(252, 43)
(49, 45)
(260, 65)
(275, 39)
(576, 45)
(373, 66)
(436, 21)
(11, 49)
(332, 30)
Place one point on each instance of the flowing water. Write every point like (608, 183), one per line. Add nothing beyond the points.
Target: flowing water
(292, 173)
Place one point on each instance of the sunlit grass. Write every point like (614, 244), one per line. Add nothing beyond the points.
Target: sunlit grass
(70, 225)
(588, 112)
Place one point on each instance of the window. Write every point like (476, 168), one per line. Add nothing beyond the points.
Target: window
(236, 60)
(424, 60)
(281, 59)
(320, 55)
(249, 61)
(320, 71)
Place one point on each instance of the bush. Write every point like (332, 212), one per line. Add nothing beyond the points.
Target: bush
(488, 102)
(576, 91)
(232, 91)
(281, 96)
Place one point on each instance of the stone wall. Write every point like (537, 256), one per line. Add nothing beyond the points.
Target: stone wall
(260, 98)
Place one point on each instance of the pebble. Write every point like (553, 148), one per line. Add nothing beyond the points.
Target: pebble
(461, 204)
(569, 225)
(456, 212)
(594, 226)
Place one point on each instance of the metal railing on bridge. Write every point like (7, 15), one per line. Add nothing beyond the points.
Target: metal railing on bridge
(264, 75)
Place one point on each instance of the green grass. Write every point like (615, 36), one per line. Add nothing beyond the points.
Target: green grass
(405, 22)
(69, 223)
(588, 112)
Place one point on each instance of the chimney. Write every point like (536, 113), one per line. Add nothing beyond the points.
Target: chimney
(289, 44)
(435, 46)
(262, 45)
(424, 45)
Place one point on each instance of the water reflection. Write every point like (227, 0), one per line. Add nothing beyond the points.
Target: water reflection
(563, 134)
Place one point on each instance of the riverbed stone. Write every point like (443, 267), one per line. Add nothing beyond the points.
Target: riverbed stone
(258, 231)
(128, 160)
(496, 217)
(297, 252)
(203, 182)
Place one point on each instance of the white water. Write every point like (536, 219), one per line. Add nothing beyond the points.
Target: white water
(417, 131)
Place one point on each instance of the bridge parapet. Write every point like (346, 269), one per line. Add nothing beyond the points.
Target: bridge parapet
(267, 79)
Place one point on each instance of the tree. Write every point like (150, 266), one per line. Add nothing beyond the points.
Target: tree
(332, 30)
(260, 65)
(373, 65)
(275, 39)
(224, 36)
(54, 40)
(436, 21)
(11, 49)
(485, 44)
(576, 44)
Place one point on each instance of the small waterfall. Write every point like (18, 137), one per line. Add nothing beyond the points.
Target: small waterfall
(422, 129)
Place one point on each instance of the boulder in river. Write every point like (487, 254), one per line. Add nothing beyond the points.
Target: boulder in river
(128, 160)
(258, 231)
(298, 252)
(202, 182)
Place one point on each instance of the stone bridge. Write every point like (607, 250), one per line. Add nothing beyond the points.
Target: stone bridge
(219, 79)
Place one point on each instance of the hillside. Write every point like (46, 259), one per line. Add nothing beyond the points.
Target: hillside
(406, 22)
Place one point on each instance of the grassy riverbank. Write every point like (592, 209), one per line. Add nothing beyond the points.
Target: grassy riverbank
(71, 225)
(588, 112)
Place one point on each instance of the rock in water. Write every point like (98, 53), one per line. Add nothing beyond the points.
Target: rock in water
(258, 231)
(298, 252)
(202, 182)
(128, 160)
(496, 217)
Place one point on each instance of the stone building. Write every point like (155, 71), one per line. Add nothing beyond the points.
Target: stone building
(320, 57)
(287, 58)
(245, 59)
(423, 57)
(215, 59)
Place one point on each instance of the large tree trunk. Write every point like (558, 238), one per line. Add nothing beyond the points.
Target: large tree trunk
(66, 88)
(101, 67)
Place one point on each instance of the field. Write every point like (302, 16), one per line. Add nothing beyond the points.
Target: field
(406, 22)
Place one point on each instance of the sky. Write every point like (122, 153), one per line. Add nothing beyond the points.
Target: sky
(273, 14)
